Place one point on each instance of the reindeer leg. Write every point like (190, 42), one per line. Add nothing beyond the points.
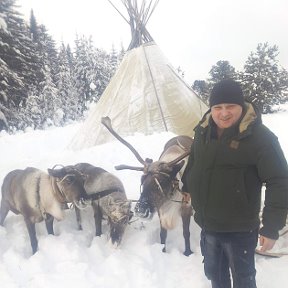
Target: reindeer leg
(3, 211)
(98, 218)
(186, 217)
(32, 234)
(49, 223)
(78, 218)
(163, 237)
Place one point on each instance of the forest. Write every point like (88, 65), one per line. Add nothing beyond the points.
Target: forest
(43, 83)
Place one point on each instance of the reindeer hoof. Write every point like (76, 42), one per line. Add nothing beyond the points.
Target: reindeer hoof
(164, 249)
(188, 252)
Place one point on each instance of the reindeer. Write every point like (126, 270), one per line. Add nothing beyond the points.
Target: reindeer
(107, 195)
(160, 185)
(39, 196)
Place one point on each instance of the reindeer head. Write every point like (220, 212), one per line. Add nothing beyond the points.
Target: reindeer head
(70, 184)
(118, 220)
(159, 178)
(117, 208)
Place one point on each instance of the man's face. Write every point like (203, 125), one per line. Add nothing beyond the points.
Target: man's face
(225, 115)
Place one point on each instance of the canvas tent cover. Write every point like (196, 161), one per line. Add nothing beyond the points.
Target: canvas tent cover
(145, 95)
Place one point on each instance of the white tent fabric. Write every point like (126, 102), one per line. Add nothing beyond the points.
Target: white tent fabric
(145, 95)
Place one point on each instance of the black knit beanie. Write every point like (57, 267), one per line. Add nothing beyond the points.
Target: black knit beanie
(226, 91)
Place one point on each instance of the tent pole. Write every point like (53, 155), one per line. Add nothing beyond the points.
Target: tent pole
(154, 86)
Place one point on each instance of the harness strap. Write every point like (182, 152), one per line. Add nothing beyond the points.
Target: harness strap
(40, 206)
(101, 194)
(60, 195)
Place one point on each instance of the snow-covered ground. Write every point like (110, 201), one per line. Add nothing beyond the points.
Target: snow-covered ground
(75, 258)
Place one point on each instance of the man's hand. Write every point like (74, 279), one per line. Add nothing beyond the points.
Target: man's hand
(266, 243)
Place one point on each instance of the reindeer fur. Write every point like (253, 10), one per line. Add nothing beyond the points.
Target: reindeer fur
(39, 196)
(108, 200)
(160, 183)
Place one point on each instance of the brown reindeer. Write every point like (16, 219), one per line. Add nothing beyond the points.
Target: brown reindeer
(160, 184)
(39, 196)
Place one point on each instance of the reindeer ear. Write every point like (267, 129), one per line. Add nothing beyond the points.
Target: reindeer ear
(176, 168)
(51, 172)
(56, 172)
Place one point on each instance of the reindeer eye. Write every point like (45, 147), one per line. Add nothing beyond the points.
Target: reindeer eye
(69, 179)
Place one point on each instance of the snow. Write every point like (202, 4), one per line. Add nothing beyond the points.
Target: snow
(3, 24)
(75, 258)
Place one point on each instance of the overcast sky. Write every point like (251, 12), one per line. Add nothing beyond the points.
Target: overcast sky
(192, 34)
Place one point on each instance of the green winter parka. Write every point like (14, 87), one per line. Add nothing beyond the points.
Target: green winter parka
(225, 176)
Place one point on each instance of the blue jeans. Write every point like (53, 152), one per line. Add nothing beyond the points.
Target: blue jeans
(229, 252)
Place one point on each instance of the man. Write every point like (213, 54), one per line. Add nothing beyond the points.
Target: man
(232, 156)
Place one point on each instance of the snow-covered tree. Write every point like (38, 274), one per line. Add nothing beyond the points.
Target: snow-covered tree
(265, 82)
(104, 68)
(48, 94)
(67, 92)
(222, 70)
(19, 61)
(93, 71)
(33, 28)
(38, 85)
(48, 52)
(201, 87)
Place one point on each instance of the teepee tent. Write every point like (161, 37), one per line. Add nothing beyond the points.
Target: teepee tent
(145, 95)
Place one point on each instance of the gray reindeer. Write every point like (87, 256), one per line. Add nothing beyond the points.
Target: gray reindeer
(40, 196)
(160, 184)
(108, 199)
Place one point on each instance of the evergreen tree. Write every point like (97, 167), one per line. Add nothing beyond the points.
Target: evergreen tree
(50, 102)
(19, 67)
(48, 52)
(34, 32)
(81, 82)
(33, 111)
(70, 58)
(222, 70)
(11, 81)
(93, 71)
(66, 88)
(103, 73)
(265, 82)
(47, 94)
(201, 87)
(38, 86)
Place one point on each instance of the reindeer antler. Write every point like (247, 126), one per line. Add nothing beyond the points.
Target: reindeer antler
(56, 165)
(123, 166)
(106, 121)
(185, 154)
